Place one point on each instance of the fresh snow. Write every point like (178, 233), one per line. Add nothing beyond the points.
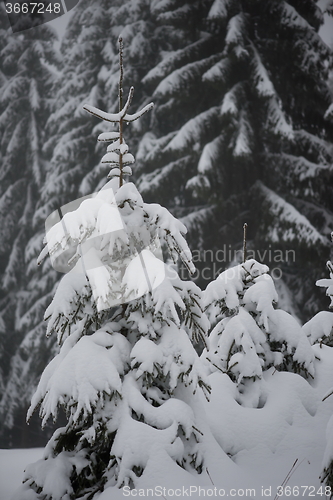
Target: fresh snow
(264, 85)
(81, 373)
(153, 180)
(242, 143)
(278, 120)
(209, 155)
(229, 103)
(12, 465)
(264, 442)
(218, 71)
(304, 168)
(192, 131)
(281, 440)
(184, 76)
(116, 117)
(299, 226)
(219, 9)
(319, 327)
(173, 58)
(235, 30)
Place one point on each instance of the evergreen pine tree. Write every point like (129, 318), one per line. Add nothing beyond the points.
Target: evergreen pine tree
(249, 334)
(257, 142)
(319, 329)
(124, 321)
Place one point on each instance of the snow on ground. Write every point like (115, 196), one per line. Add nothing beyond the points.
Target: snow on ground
(265, 443)
(12, 465)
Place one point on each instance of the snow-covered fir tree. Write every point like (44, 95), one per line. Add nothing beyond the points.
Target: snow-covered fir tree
(27, 75)
(319, 329)
(258, 141)
(124, 320)
(249, 334)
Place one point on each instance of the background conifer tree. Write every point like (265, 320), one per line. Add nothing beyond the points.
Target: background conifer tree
(257, 142)
(27, 59)
(319, 329)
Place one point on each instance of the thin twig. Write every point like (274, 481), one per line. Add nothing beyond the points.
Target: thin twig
(328, 395)
(244, 241)
(292, 470)
(121, 73)
(209, 476)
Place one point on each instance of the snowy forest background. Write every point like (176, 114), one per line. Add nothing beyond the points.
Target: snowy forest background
(241, 131)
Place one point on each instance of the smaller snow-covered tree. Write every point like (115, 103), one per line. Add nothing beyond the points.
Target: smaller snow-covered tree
(126, 370)
(249, 334)
(320, 327)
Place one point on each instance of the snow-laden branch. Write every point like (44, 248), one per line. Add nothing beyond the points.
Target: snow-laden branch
(116, 117)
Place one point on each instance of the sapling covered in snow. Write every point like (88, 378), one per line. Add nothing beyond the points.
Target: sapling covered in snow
(249, 335)
(320, 327)
(127, 368)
